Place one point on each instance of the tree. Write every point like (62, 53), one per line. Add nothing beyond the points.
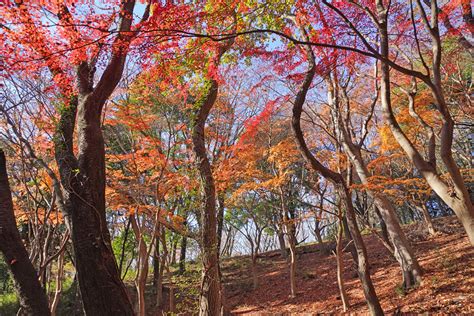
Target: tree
(82, 176)
(338, 180)
(32, 296)
(211, 293)
(453, 192)
(249, 218)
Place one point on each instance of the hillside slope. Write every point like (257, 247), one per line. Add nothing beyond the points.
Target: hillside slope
(447, 287)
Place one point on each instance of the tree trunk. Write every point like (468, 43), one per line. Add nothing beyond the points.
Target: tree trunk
(456, 194)
(102, 290)
(83, 177)
(142, 266)
(411, 270)
(174, 249)
(363, 265)
(281, 242)
(229, 243)
(317, 232)
(340, 267)
(338, 181)
(292, 267)
(290, 226)
(125, 237)
(383, 226)
(156, 262)
(220, 221)
(427, 218)
(210, 292)
(159, 288)
(161, 267)
(59, 283)
(32, 297)
(254, 271)
(351, 248)
(211, 298)
(182, 255)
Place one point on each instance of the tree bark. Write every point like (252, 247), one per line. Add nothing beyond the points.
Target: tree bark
(427, 218)
(182, 255)
(59, 283)
(220, 221)
(83, 180)
(363, 264)
(83, 177)
(348, 235)
(156, 262)
(290, 227)
(211, 290)
(142, 266)
(32, 297)
(281, 243)
(340, 267)
(383, 227)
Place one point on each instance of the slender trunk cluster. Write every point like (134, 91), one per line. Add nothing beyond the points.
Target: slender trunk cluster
(340, 266)
(411, 270)
(32, 297)
(338, 180)
(455, 194)
(290, 228)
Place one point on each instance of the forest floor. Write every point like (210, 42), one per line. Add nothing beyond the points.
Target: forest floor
(447, 286)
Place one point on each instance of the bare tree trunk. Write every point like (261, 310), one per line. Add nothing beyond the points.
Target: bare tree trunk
(161, 267)
(122, 254)
(291, 235)
(33, 299)
(83, 176)
(403, 253)
(174, 247)
(317, 232)
(156, 262)
(182, 255)
(159, 287)
(142, 266)
(408, 263)
(426, 216)
(292, 267)
(350, 242)
(59, 283)
(166, 262)
(383, 226)
(254, 270)
(281, 242)
(363, 265)
(220, 221)
(340, 267)
(228, 244)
